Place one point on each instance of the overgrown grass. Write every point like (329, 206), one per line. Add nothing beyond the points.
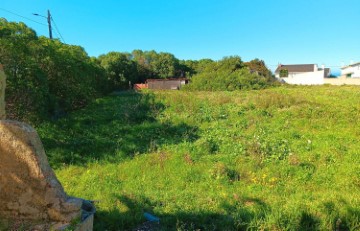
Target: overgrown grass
(276, 159)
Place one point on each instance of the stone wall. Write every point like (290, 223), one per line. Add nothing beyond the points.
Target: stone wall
(29, 189)
(2, 92)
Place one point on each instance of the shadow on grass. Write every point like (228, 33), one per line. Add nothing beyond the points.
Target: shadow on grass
(254, 214)
(309, 222)
(112, 129)
(235, 217)
(349, 219)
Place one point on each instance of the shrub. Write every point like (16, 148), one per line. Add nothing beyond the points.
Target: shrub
(45, 77)
(240, 79)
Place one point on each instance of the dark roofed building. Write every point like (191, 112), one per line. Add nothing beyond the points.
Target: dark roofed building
(303, 74)
(166, 84)
(297, 68)
(351, 71)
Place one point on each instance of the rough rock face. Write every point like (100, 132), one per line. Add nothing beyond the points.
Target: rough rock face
(29, 189)
(2, 92)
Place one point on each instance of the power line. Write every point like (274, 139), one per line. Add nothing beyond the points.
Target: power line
(56, 34)
(29, 19)
(57, 29)
(8, 11)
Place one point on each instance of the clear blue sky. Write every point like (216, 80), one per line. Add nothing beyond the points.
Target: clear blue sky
(277, 31)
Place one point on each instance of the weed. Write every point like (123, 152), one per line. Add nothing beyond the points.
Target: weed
(221, 171)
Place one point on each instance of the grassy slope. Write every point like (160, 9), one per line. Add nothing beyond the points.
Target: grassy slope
(277, 159)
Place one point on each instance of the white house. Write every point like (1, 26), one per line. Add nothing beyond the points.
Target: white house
(351, 71)
(302, 74)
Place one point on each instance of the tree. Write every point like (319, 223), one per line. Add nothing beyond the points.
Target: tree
(27, 89)
(157, 65)
(186, 68)
(204, 65)
(45, 76)
(164, 65)
(229, 63)
(259, 67)
(120, 69)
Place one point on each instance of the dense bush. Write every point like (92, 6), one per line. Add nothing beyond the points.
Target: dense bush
(228, 81)
(45, 77)
(231, 74)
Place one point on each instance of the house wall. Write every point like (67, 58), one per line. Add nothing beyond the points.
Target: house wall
(305, 78)
(342, 80)
(291, 74)
(352, 69)
(2, 93)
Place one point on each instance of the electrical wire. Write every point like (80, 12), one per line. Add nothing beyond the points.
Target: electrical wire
(57, 29)
(29, 19)
(8, 11)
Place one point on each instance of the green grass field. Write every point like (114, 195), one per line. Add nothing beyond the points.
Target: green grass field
(285, 158)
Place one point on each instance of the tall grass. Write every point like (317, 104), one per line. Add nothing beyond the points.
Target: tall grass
(275, 159)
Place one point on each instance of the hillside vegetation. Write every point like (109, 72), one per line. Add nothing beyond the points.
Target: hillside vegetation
(274, 159)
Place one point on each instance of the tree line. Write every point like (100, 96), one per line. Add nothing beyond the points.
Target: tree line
(47, 78)
(137, 66)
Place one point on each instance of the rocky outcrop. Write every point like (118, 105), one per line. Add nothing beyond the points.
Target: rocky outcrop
(29, 189)
(2, 92)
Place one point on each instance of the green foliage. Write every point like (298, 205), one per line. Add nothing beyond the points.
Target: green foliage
(229, 64)
(203, 66)
(74, 79)
(274, 159)
(284, 73)
(45, 77)
(240, 79)
(139, 66)
(231, 74)
(164, 65)
(26, 93)
(120, 69)
(259, 67)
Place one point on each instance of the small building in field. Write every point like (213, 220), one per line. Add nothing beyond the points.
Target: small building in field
(351, 71)
(166, 84)
(302, 74)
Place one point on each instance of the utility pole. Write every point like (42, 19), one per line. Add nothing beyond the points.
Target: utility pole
(49, 22)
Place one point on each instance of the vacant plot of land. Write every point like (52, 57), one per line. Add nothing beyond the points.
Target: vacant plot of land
(276, 159)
